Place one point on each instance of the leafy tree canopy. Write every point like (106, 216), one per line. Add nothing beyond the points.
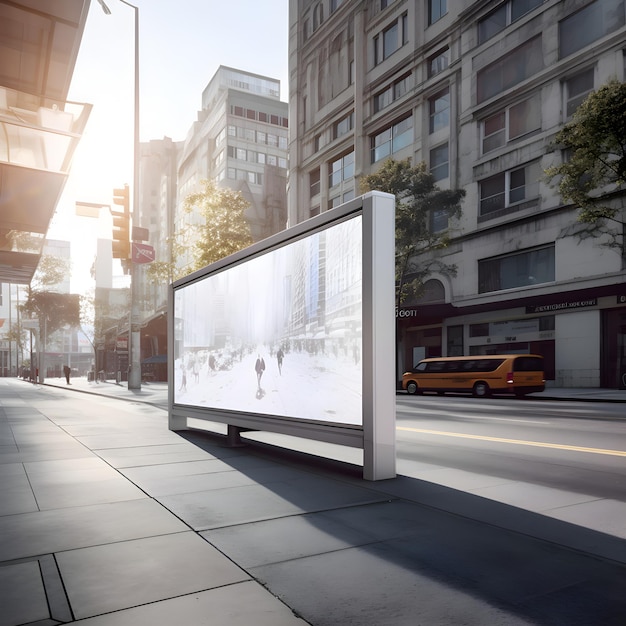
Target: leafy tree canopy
(595, 141)
(417, 199)
(54, 310)
(218, 228)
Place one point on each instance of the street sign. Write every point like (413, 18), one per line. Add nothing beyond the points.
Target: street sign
(140, 234)
(142, 253)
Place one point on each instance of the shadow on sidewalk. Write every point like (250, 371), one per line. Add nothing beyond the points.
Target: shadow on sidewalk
(312, 528)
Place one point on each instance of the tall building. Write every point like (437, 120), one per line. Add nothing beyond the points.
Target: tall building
(240, 141)
(477, 90)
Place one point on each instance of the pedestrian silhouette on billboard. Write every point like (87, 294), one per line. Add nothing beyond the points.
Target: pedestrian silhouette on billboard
(259, 368)
(279, 356)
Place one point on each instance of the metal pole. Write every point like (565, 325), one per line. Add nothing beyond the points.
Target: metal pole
(134, 374)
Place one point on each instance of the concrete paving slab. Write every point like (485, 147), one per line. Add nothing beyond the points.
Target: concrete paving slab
(533, 497)
(105, 578)
(216, 606)
(16, 495)
(607, 516)
(45, 532)
(22, 594)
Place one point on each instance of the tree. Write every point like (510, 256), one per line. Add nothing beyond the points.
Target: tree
(52, 310)
(594, 173)
(417, 199)
(216, 228)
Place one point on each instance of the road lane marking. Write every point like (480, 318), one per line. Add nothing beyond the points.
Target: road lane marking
(518, 442)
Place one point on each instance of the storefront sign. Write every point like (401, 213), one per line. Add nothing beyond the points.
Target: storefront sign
(621, 299)
(406, 313)
(121, 344)
(561, 306)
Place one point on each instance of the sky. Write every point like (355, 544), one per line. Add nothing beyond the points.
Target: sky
(181, 46)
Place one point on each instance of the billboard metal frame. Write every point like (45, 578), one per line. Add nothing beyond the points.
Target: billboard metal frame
(376, 436)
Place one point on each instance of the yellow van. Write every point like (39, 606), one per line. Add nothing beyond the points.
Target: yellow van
(480, 375)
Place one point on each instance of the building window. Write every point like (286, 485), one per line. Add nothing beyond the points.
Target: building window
(314, 182)
(261, 137)
(520, 269)
(576, 89)
(232, 131)
(439, 219)
(440, 162)
(392, 139)
(341, 169)
(343, 126)
(318, 16)
(220, 137)
(282, 162)
(589, 24)
(385, 3)
(500, 192)
(438, 62)
(510, 70)
(511, 123)
(503, 16)
(436, 10)
(390, 40)
(391, 93)
(439, 111)
(335, 4)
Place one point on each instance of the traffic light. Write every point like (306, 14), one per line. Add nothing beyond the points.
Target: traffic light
(121, 225)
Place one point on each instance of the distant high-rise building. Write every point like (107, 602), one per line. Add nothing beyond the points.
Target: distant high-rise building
(240, 141)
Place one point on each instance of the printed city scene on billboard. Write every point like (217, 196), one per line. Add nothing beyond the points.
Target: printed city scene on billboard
(279, 334)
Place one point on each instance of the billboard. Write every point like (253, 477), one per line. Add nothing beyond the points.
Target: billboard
(282, 336)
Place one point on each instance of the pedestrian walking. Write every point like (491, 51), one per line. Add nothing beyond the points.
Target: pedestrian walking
(67, 371)
(259, 368)
(279, 357)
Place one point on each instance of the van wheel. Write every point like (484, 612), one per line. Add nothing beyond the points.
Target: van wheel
(481, 389)
(411, 387)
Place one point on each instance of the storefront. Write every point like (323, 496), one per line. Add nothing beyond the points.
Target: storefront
(581, 335)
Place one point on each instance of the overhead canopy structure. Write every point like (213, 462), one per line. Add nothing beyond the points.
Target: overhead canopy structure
(39, 129)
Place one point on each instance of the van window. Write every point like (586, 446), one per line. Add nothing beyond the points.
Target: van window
(527, 364)
(436, 366)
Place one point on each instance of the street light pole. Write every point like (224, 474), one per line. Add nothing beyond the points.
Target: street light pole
(134, 346)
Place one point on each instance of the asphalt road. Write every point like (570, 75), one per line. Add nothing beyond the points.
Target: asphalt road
(574, 446)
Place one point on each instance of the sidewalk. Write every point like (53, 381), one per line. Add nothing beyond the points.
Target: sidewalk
(108, 518)
(156, 392)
